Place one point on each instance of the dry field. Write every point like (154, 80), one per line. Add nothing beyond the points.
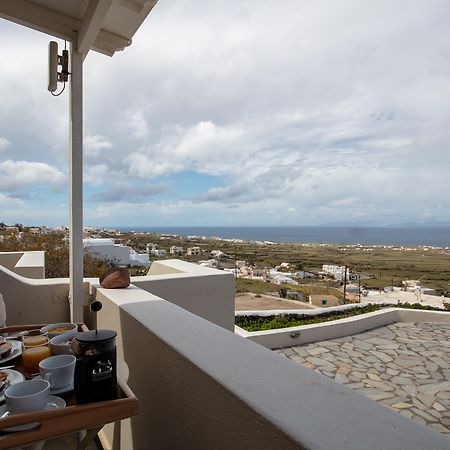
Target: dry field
(249, 302)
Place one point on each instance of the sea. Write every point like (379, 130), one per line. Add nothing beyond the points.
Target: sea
(433, 236)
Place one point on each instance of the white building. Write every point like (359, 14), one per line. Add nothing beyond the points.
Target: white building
(337, 272)
(283, 265)
(218, 254)
(235, 272)
(139, 259)
(106, 249)
(209, 263)
(274, 276)
(416, 286)
(120, 254)
(151, 246)
(159, 252)
(175, 250)
(193, 251)
(283, 279)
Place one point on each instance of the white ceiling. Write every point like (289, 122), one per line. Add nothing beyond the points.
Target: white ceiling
(106, 25)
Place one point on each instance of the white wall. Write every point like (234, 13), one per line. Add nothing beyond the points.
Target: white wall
(139, 259)
(31, 265)
(114, 253)
(202, 387)
(206, 292)
(9, 259)
(28, 264)
(31, 301)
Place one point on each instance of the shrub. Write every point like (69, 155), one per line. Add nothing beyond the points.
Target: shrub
(260, 323)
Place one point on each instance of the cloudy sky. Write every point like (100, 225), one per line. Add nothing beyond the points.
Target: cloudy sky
(293, 112)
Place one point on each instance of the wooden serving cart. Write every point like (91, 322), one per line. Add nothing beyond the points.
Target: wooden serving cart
(59, 422)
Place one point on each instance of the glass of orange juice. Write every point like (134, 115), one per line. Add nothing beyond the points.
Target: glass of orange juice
(35, 348)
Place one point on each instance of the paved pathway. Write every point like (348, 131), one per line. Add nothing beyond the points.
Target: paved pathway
(405, 366)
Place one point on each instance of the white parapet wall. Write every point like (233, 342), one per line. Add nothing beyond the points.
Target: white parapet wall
(203, 387)
(29, 300)
(209, 293)
(167, 266)
(288, 337)
(206, 292)
(27, 264)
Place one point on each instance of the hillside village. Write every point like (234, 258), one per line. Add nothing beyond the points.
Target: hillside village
(288, 279)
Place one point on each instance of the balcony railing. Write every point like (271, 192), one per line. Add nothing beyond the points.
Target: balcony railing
(202, 386)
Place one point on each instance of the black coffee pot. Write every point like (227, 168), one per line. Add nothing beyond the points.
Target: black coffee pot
(95, 376)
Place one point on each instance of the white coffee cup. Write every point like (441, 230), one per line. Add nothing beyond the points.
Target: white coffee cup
(27, 396)
(58, 370)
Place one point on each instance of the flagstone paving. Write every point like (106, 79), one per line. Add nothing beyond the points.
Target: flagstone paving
(405, 366)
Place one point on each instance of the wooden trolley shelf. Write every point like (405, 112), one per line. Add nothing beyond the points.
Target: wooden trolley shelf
(59, 422)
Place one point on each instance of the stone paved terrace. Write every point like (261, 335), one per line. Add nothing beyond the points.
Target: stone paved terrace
(405, 366)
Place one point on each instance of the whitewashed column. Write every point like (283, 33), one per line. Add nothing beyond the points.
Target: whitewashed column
(76, 184)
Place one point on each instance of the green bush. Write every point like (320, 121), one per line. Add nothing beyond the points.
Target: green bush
(261, 323)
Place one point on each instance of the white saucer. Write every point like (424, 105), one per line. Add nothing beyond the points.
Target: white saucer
(15, 351)
(52, 403)
(14, 377)
(61, 390)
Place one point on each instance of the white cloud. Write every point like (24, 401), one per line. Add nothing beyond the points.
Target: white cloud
(94, 144)
(97, 174)
(144, 166)
(137, 125)
(4, 144)
(7, 201)
(329, 117)
(19, 174)
(206, 138)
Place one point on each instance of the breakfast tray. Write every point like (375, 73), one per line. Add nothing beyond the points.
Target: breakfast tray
(59, 422)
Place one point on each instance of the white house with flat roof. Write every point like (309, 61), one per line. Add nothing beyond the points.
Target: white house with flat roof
(193, 251)
(175, 250)
(139, 259)
(105, 248)
(337, 272)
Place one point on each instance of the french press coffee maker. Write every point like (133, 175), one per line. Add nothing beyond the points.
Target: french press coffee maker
(95, 376)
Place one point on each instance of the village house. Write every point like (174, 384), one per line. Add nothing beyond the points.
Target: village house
(213, 263)
(416, 286)
(193, 251)
(283, 266)
(337, 272)
(151, 246)
(218, 254)
(120, 254)
(175, 250)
